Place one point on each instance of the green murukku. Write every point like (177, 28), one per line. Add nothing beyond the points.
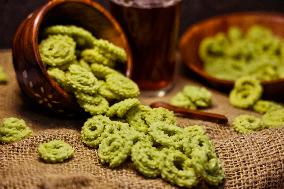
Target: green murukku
(3, 76)
(84, 64)
(82, 37)
(247, 123)
(107, 93)
(96, 105)
(136, 118)
(59, 76)
(93, 56)
(13, 130)
(55, 151)
(207, 165)
(264, 106)
(191, 142)
(166, 134)
(93, 130)
(246, 92)
(82, 80)
(200, 96)
(183, 101)
(122, 86)
(114, 52)
(177, 169)
(162, 115)
(274, 119)
(146, 159)
(121, 108)
(57, 50)
(101, 71)
(234, 34)
(114, 150)
(193, 130)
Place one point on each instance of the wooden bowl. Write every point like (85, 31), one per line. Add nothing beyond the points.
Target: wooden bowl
(31, 73)
(190, 41)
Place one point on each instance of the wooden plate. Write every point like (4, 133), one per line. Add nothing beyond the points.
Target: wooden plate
(191, 39)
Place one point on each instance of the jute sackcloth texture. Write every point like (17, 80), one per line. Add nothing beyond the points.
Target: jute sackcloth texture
(253, 161)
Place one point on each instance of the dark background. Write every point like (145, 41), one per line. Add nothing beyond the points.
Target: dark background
(12, 12)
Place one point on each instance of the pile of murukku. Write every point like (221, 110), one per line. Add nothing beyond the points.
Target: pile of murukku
(84, 66)
(155, 144)
(192, 97)
(256, 52)
(246, 94)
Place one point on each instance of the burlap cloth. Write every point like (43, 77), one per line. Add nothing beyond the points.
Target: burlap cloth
(250, 161)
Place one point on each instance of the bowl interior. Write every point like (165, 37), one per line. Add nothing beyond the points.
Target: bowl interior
(190, 41)
(90, 16)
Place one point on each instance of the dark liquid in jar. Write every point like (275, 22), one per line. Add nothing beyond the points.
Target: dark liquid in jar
(151, 27)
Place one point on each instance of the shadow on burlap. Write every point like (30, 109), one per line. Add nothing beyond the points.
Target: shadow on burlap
(250, 161)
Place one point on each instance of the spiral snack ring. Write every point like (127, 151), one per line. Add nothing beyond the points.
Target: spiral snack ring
(122, 86)
(57, 50)
(200, 96)
(136, 118)
(183, 101)
(55, 151)
(94, 56)
(93, 129)
(101, 71)
(121, 108)
(82, 37)
(114, 149)
(13, 130)
(166, 134)
(80, 79)
(264, 106)
(111, 50)
(274, 119)
(107, 93)
(160, 114)
(247, 123)
(146, 159)
(98, 104)
(178, 169)
(246, 92)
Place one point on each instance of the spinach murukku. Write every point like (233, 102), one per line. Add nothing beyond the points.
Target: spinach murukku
(57, 50)
(82, 37)
(101, 71)
(114, 149)
(136, 117)
(93, 129)
(274, 119)
(183, 101)
(95, 104)
(93, 56)
(146, 159)
(264, 106)
(55, 151)
(247, 124)
(166, 134)
(162, 115)
(246, 92)
(121, 108)
(82, 80)
(13, 130)
(178, 169)
(122, 86)
(200, 96)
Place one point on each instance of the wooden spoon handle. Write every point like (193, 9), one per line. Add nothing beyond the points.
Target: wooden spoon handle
(192, 114)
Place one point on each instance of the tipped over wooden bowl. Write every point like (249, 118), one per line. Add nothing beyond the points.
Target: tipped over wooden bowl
(190, 41)
(31, 73)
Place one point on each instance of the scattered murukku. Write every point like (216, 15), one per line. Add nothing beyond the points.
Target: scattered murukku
(183, 101)
(55, 151)
(247, 124)
(162, 115)
(93, 56)
(95, 105)
(246, 92)
(84, 64)
(136, 118)
(114, 150)
(117, 53)
(200, 96)
(122, 86)
(264, 106)
(82, 37)
(3, 76)
(13, 130)
(101, 71)
(93, 130)
(57, 50)
(121, 108)
(274, 119)
(146, 159)
(178, 169)
(107, 93)
(166, 134)
(82, 80)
